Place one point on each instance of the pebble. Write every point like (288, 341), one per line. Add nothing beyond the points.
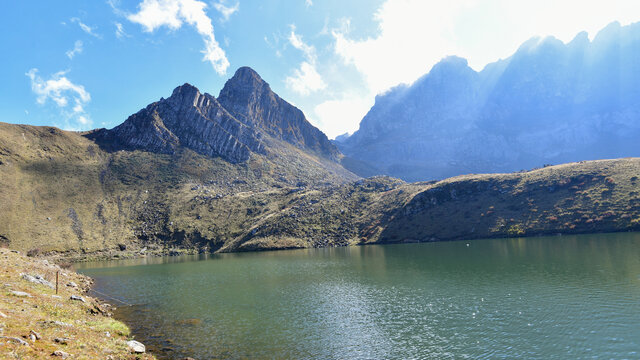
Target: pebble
(62, 354)
(77, 298)
(3, 315)
(136, 347)
(20, 293)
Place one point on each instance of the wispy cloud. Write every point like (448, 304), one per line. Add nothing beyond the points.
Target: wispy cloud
(120, 33)
(154, 14)
(86, 28)
(308, 3)
(226, 11)
(59, 89)
(305, 78)
(77, 49)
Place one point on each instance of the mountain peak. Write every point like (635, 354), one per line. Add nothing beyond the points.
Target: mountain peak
(246, 72)
(185, 88)
(450, 64)
(245, 80)
(250, 100)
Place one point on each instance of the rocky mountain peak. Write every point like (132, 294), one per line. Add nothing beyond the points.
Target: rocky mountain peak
(232, 126)
(250, 100)
(188, 95)
(187, 119)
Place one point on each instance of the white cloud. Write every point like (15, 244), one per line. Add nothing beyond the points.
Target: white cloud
(226, 11)
(59, 89)
(413, 35)
(153, 14)
(305, 78)
(77, 49)
(335, 117)
(120, 33)
(296, 41)
(308, 3)
(86, 28)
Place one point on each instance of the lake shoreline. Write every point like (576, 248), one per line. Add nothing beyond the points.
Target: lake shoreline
(156, 250)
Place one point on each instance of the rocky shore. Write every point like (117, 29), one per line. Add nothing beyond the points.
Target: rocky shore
(37, 322)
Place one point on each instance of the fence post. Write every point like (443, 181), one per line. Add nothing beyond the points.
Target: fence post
(57, 273)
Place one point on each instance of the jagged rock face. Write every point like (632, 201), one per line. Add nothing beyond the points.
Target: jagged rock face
(240, 122)
(250, 99)
(548, 103)
(189, 119)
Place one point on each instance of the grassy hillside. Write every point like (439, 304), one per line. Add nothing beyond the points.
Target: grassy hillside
(60, 192)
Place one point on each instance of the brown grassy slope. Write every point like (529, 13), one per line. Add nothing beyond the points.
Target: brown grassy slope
(61, 192)
(53, 316)
(593, 196)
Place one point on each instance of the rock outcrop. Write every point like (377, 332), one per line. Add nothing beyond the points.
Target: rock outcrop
(187, 118)
(250, 99)
(240, 122)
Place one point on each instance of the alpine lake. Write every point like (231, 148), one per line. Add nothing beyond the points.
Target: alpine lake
(560, 297)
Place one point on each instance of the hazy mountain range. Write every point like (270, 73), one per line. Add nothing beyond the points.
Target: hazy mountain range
(548, 103)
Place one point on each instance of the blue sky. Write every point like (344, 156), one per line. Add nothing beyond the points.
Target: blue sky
(86, 64)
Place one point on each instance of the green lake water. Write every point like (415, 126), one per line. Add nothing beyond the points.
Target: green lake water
(564, 297)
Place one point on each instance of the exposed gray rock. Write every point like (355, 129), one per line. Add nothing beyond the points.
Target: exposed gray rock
(72, 284)
(19, 293)
(54, 322)
(36, 335)
(62, 341)
(136, 347)
(15, 339)
(250, 99)
(61, 354)
(77, 298)
(37, 279)
(187, 118)
(240, 122)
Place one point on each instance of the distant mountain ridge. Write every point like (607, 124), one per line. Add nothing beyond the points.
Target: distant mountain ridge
(232, 126)
(550, 102)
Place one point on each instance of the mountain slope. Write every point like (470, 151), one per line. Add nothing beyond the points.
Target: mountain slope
(548, 103)
(60, 192)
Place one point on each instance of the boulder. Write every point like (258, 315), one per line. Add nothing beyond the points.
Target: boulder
(136, 347)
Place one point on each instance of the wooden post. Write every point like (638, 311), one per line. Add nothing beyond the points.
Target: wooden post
(57, 274)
